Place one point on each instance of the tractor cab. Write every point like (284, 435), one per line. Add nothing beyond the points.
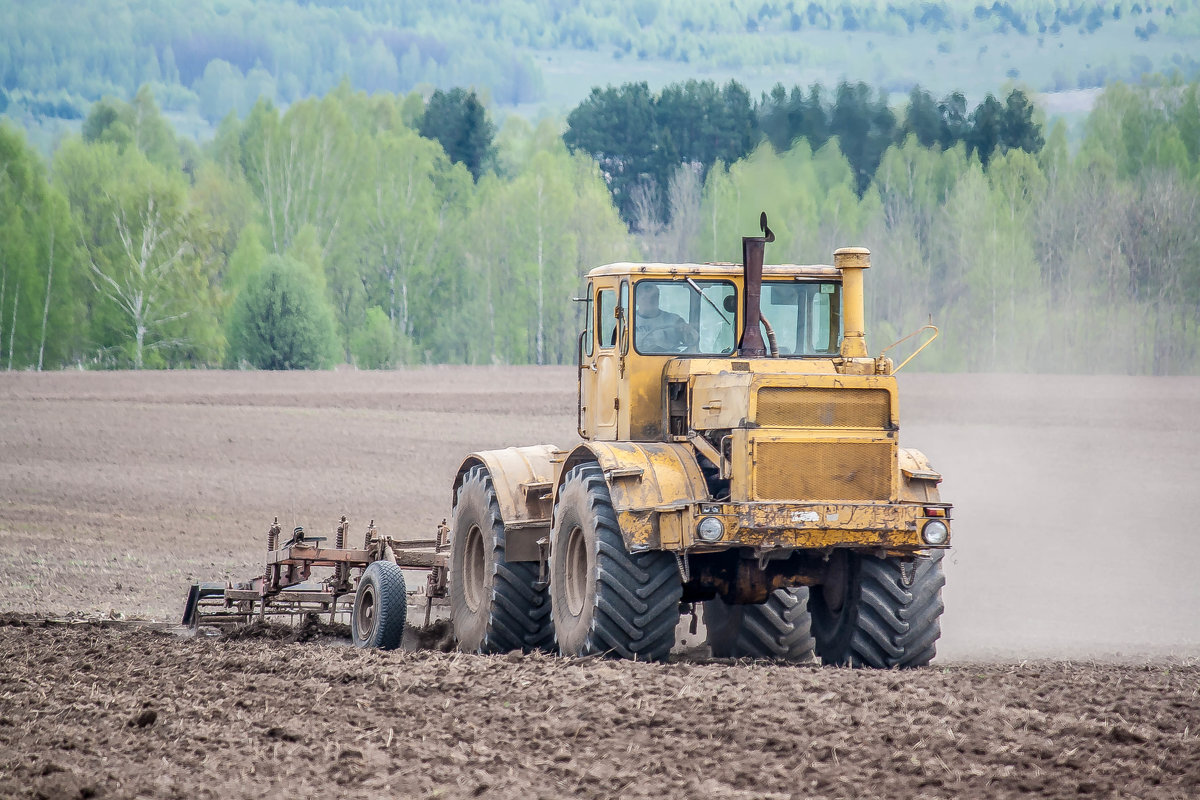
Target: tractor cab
(646, 323)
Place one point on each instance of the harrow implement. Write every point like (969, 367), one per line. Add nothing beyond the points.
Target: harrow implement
(375, 600)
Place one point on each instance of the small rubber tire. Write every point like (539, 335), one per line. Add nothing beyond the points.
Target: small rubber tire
(380, 607)
(495, 605)
(779, 629)
(887, 615)
(604, 599)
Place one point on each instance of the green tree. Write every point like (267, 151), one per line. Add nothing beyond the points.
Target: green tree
(149, 252)
(618, 128)
(922, 118)
(865, 128)
(374, 344)
(139, 124)
(281, 321)
(39, 275)
(460, 123)
(302, 167)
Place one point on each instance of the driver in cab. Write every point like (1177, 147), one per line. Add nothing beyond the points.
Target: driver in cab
(660, 331)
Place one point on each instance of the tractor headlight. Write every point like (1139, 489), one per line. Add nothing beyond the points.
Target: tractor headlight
(935, 532)
(710, 529)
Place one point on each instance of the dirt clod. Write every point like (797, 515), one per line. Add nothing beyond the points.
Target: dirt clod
(147, 716)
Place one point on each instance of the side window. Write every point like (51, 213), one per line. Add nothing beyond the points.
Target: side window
(826, 319)
(806, 316)
(783, 307)
(589, 344)
(606, 323)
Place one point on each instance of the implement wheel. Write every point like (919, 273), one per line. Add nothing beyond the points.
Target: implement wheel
(380, 607)
(779, 629)
(606, 600)
(495, 605)
(875, 612)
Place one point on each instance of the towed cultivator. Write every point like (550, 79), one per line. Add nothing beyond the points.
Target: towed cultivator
(366, 583)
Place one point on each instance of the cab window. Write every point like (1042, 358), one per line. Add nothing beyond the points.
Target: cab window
(684, 316)
(606, 323)
(806, 316)
(588, 322)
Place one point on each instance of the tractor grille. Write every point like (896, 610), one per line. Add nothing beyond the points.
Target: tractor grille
(823, 471)
(787, 407)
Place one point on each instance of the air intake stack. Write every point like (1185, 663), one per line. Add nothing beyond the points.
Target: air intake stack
(852, 261)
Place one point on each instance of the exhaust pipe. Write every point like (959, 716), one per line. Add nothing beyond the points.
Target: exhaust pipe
(852, 261)
(753, 247)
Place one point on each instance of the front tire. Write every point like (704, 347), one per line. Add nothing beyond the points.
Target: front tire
(606, 600)
(380, 607)
(779, 629)
(880, 613)
(495, 605)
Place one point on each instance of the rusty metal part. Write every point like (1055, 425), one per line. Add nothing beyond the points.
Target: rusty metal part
(284, 588)
(753, 248)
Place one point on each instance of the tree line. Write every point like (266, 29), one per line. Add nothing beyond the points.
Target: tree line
(640, 137)
(334, 231)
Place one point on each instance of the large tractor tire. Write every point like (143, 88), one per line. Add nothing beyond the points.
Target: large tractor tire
(495, 605)
(605, 599)
(380, 607)
(779, 629)
(880, 613)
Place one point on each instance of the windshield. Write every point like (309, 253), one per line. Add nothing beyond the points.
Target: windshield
(684, 316)
(806, 316)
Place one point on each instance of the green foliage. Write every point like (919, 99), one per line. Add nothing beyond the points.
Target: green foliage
(281, 320)
(151, 256)
(39, 262)
(138, 124)
(639, 138)
(460, 123)
(398, 256)
(374, 345)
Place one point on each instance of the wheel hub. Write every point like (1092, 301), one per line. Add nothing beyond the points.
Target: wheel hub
(576, 571)
(473, 569)
(365, 617)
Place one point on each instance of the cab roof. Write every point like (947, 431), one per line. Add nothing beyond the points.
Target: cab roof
(713, 270)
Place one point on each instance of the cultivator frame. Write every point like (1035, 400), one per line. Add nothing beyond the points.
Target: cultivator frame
(284, 588)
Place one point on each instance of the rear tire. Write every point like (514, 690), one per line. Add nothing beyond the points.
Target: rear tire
(606, 600)
(779, 629)
(380, 607)
(495, 606)
(880, 613)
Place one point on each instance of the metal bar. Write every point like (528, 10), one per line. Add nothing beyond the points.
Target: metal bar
(318, 556)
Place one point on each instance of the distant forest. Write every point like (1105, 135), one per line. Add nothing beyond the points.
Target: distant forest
(387, 229)
(204, 58)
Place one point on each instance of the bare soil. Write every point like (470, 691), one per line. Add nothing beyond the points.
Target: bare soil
(1075, 538)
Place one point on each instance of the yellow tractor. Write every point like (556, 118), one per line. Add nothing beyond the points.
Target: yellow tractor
(741, 450)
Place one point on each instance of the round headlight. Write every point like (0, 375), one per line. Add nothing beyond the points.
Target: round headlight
(935, 532)
(710, 529)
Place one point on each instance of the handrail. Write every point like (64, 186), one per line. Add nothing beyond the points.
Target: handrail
(579, 387)
(928, 327)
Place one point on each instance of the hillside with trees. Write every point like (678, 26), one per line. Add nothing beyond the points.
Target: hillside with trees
(203, 59)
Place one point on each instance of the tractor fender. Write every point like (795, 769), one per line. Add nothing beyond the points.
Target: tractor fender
(918, 480)
(645, 480)
(523, 478)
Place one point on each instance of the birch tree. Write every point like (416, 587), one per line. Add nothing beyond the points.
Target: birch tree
(149, 261)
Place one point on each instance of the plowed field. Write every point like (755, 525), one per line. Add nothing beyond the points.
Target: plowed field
(1067, 665)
